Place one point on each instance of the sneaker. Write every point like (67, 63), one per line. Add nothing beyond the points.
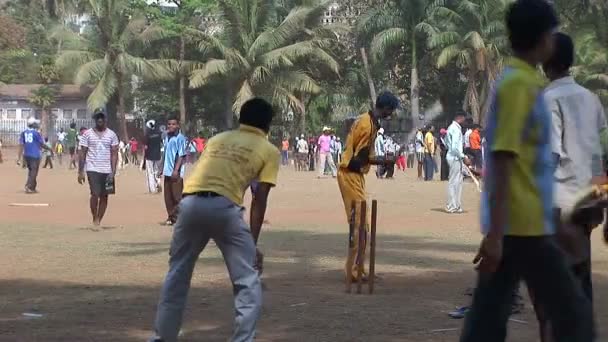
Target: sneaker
(459, 313)
(155, 339)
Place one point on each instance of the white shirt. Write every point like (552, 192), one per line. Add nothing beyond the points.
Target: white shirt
(467, 136)
(578, 120)
(419, 142)
(302, 146)
(61, 136)
(99, 149)
(379, 145)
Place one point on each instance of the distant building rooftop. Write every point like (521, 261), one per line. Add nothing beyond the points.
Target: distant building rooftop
(24, 91)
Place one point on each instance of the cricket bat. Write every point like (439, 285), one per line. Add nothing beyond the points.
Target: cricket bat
(473, 177)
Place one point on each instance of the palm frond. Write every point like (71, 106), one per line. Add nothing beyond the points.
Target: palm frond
(91, 72)
(297, 81)
(474, 40)
(133, 30)
(103, 91)
(213, 68)
(448, 54)
(443, 39)
(71, 59)
(147, 69)
(386, 40)
(378, 19)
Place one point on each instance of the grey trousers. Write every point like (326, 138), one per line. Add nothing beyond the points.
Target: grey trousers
(201, 219)
(454, 185)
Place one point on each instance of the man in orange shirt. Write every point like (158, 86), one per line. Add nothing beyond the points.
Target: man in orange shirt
(475, 141)
(285, 151)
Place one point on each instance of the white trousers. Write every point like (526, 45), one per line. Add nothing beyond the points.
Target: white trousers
(152, 167)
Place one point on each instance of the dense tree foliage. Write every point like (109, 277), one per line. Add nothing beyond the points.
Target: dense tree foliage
(202, 58)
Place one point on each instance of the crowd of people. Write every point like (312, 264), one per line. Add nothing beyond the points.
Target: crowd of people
(542, 145)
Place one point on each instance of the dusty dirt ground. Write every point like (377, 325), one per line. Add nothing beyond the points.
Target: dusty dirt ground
(102, 285)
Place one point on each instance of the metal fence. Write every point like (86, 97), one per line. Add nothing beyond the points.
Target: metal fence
(10, 129)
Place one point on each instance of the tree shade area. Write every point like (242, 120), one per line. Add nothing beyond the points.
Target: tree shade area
(201, 59)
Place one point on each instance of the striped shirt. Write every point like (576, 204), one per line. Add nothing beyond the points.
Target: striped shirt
(99, 150)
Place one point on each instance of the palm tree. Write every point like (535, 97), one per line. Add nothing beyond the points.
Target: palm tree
(592, 66)
(257, 56)
(43, 97)
(474, 37)
(400, 24)
(107, 63)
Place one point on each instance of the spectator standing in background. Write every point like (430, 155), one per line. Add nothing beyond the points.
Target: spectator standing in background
(71, 142)
(285, 151)
(445, 169)
(429, 151)
(420, 152)
(467, 136)
(475, 143)
(380, 152)
(172, 161)
(325, 156)
(411, 155)
(48, 154)
(30, 144)
(134, 146)
(152, 143)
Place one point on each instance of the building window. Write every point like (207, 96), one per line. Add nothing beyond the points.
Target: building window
(81, 114)
(25, 113)
(11, 113)
(55, 113)
(67, 114)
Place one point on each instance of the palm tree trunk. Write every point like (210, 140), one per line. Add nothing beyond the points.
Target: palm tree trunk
(182, 81)
(122, 120)
(414, 86)
(44, 122)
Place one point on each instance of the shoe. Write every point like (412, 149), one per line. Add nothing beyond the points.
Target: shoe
(459, 313)
(168, 223)
(155, 339)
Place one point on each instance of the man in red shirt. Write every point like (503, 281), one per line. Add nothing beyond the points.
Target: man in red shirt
(199, 144)
(134, 148)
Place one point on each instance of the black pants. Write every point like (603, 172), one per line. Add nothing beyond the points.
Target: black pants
(390, 168)
(33, 165)
(445, 168)
(48, 161)
(542, 265)
(477, 159)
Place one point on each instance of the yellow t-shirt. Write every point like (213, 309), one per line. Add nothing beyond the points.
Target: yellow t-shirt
(429, 143)
(361, 136)
(231, 161)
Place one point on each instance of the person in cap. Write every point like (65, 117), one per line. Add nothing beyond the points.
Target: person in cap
(152, 143)
(212, 209)
(444, 169)
(325, 157)
(98, 158)
(30, 144)
(357, 157)
(302, 154)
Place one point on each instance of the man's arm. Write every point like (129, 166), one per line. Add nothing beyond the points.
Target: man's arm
(258, 210)
(114, 158)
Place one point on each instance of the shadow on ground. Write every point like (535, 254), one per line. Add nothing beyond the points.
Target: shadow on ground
(304, 300)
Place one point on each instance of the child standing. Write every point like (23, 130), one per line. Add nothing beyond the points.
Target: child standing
(48, 154)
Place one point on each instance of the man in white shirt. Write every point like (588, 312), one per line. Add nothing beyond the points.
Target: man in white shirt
(455, 158)
(98, 156)
(380, 150)
(579, 123)
(420, 152)
(302, 154)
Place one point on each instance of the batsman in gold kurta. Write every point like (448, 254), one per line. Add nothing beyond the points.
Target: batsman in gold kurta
(357, 157)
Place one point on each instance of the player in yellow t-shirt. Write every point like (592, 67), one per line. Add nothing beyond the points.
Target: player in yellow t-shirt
(357, 157)
(212, 209)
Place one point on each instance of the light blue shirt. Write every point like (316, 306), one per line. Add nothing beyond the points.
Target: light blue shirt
(175, 147)
(454, 141)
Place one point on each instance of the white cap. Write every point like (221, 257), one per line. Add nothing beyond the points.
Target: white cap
(381, 130)
(325, 128)
(150, 124)
(32, 121)
(302, 136)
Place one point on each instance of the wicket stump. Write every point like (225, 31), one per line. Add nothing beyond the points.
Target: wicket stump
(362, 244)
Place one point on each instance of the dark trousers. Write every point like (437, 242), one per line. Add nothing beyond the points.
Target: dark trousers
(542, 265)
(173, 195)
(477, 159)
(284, 158)
(429, 167)
(410, 160)
(390, 168)
(445, 168)
(33, 165)
(48, 161)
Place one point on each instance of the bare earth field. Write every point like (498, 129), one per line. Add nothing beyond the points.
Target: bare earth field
(102, 285)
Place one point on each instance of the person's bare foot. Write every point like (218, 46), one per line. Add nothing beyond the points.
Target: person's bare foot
(96, 222)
